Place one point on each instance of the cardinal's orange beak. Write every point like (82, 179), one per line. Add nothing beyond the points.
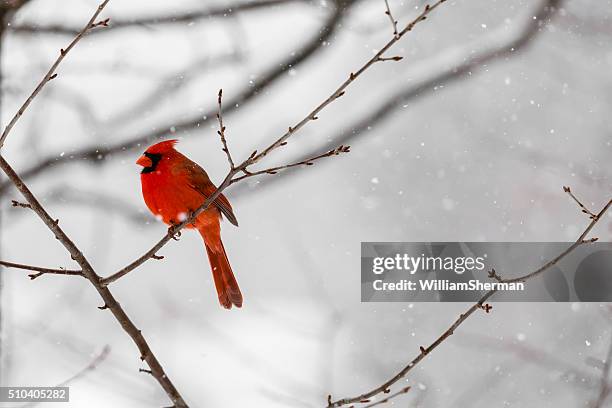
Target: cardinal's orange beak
(144, 161)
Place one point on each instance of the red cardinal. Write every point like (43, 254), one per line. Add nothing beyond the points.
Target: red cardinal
(173, 186)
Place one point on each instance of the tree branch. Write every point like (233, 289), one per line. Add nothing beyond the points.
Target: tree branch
(221, 131)
(51, 73)
(19, 204)
(390, 397)
(41, 271)
(307, 162)
(390, 15)
(480, 304)
(583, 208)
(109, 300)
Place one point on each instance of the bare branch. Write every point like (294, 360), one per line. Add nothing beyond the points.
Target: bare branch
(582, 206)
(494, 275)
(307, 162)
(582, 239)
(16, 203)
(102, 23)
(40, 270)
(480, 304)
(221, 131)
(396, 58)
(51, 73)
(89, 273)
(390, 397)
(393, 20)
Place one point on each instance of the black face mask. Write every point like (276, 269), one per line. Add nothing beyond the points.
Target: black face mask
(155, 159)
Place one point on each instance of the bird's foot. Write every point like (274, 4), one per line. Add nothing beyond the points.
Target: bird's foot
(175, 234)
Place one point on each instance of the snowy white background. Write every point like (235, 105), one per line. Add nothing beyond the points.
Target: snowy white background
(483, 158)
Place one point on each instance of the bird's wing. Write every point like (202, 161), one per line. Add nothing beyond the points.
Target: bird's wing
(199, 181)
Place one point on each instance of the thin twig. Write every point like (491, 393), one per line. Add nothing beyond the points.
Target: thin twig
(583, 208)
(390, 397)
(41, 271)
(16, 203)
(393, 20)
(51, 73)
(424, 351)
(494, 275)
(395, 58)
(221, 131)
(582, 239)
(308, 162)
(256, 157)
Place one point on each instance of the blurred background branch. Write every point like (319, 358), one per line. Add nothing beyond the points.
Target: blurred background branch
(150, 22)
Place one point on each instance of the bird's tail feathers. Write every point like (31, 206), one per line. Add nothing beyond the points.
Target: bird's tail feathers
(225, 281)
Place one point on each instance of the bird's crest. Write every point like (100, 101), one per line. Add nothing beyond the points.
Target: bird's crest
(162, 147)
